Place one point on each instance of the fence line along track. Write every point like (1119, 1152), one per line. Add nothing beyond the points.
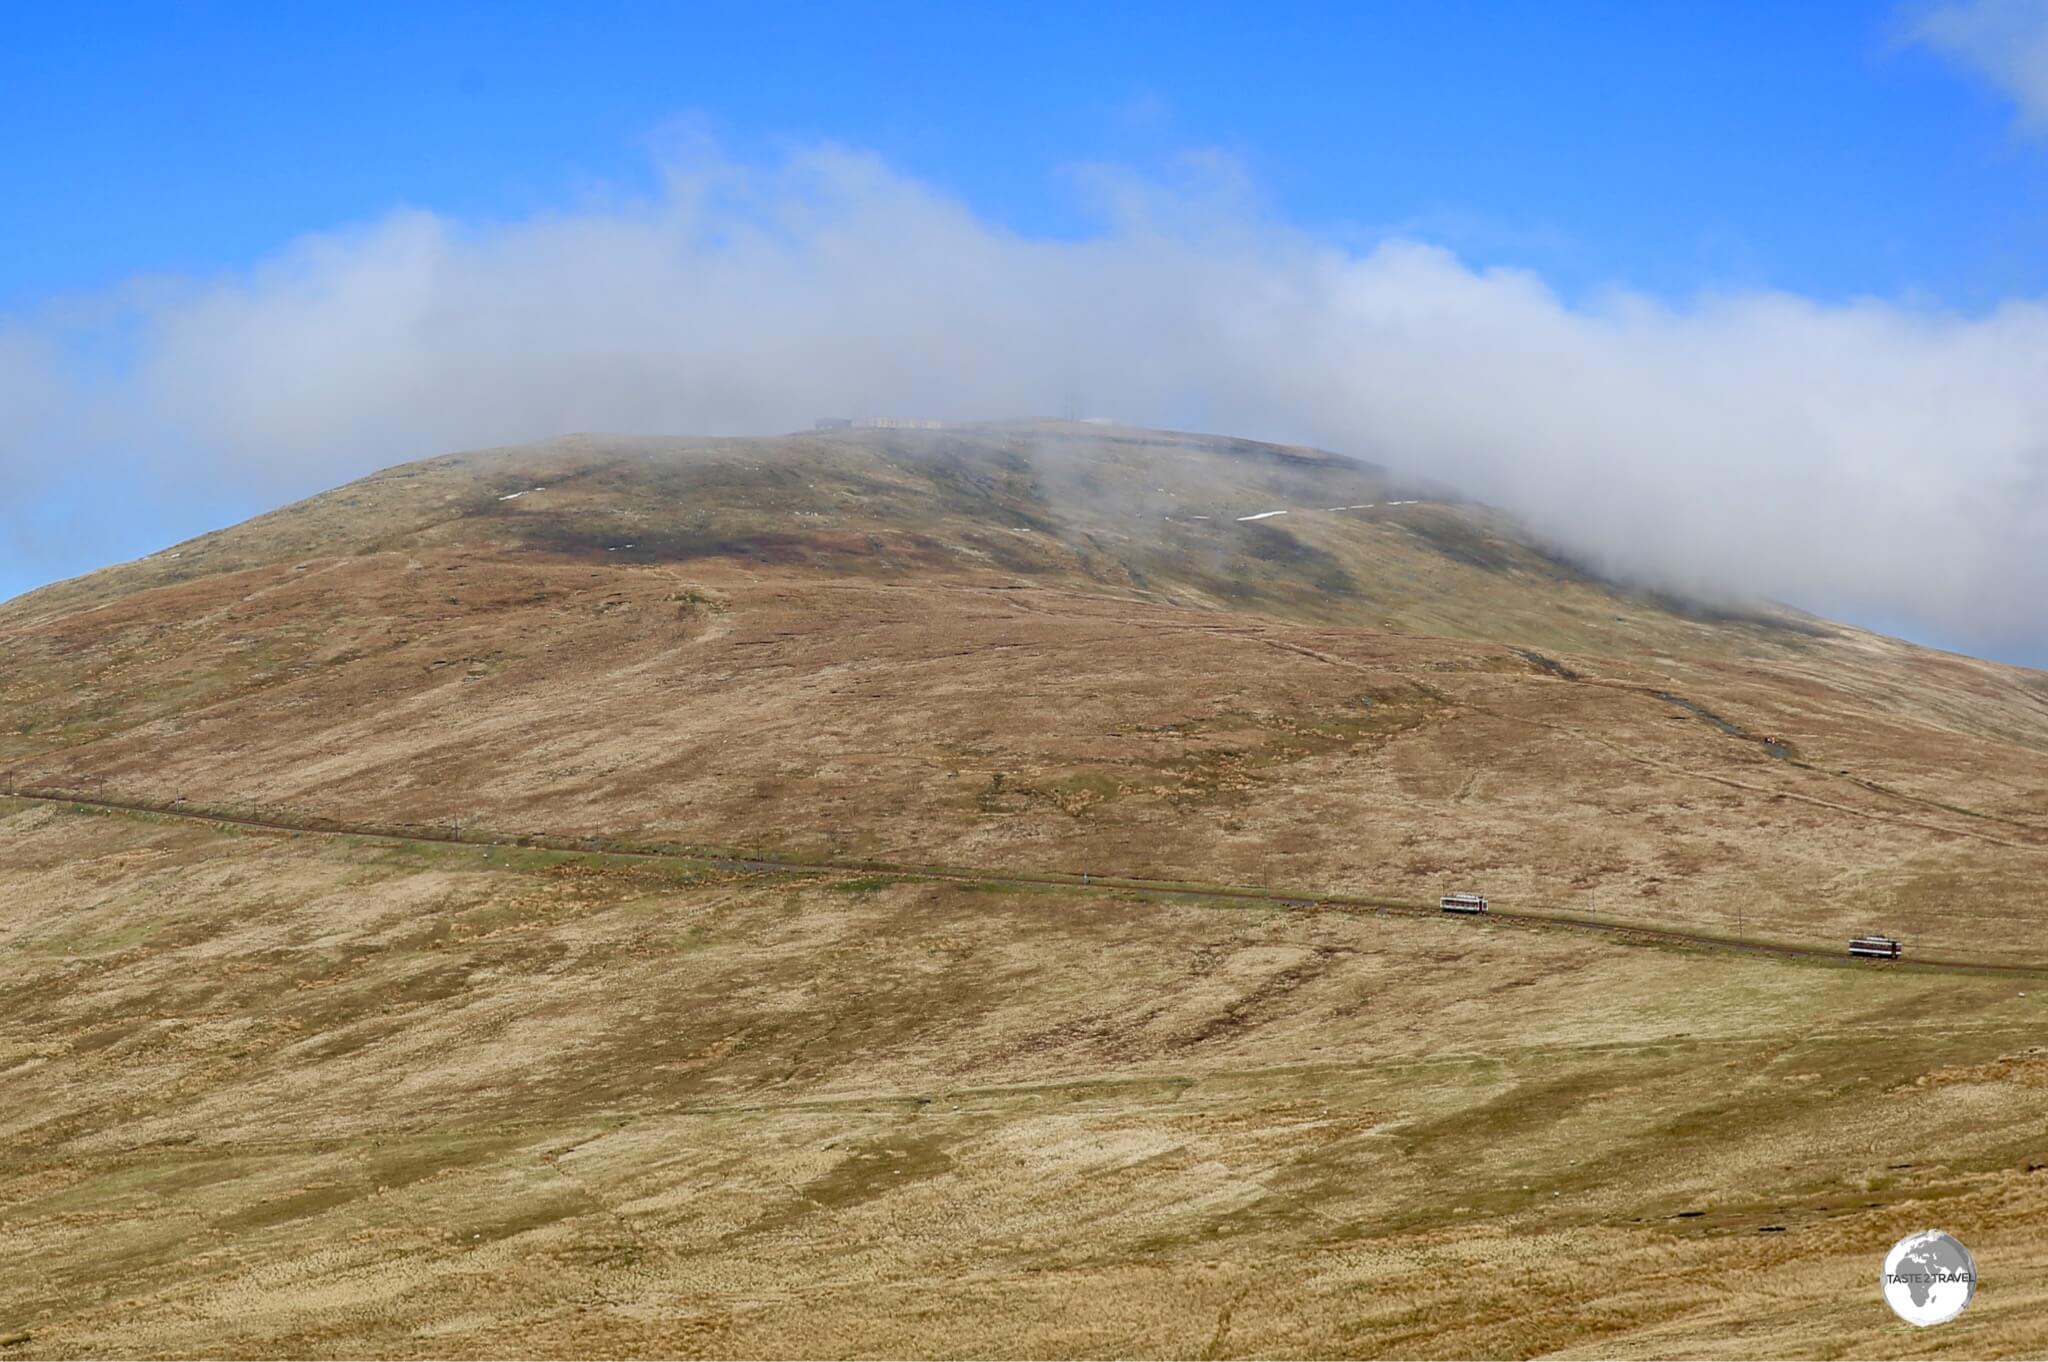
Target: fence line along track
(726, 858)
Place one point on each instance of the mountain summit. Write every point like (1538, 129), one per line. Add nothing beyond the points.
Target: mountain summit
(1091, 648)
(976, 891)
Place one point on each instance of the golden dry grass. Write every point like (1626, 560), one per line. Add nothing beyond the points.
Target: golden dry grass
(310, 1095)
(277, 1095)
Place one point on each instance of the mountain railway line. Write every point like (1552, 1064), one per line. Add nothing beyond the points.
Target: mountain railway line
(1084, 882)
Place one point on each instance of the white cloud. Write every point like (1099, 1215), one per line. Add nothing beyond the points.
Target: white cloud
(33, 395)
(2004, 41)
(30, 394)
(1870, 458)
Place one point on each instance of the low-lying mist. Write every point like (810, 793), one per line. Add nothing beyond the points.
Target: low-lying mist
(1873, 460)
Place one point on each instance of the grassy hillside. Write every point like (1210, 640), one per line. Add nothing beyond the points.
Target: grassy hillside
(1019, 647)
(392, 1094)
(309, 1096)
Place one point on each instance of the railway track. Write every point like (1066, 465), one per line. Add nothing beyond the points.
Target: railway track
(1084, 882)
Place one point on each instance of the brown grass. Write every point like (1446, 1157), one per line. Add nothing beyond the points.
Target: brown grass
(322, 1096)
(319, 1097)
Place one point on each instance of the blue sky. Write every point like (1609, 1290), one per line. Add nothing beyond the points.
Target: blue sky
(1826, 153)
(1671, 147)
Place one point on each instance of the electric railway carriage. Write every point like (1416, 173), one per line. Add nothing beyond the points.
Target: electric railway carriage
(1874, 947)
(1463, 903)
